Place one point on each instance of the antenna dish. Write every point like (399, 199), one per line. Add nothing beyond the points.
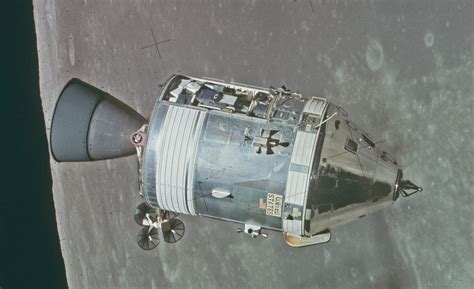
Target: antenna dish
(148, 238)
(140, 214)
(153, 221)
(173, 230)
(168, 215)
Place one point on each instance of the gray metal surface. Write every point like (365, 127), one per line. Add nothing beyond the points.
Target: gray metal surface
(215, 152)
(349, 183)
(89, 124)
(402, 70)
(70, 126)
(110, 129)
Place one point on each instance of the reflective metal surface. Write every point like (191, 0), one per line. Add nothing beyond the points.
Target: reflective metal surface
(354, 174)
(270, 158)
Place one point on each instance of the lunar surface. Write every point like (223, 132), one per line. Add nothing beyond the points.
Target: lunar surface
(429, 39)
(374, 55)
(403, 71)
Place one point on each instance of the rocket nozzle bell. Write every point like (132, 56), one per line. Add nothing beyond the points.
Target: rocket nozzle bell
(89, 124)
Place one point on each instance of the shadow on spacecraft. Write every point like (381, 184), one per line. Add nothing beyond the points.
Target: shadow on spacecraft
(268, 159)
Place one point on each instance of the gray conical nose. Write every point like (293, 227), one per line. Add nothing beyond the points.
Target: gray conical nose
(89, 124)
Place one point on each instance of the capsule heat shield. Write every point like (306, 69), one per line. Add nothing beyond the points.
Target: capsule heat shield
(89, 124)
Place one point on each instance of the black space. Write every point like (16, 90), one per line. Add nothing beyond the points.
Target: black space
(30, 252)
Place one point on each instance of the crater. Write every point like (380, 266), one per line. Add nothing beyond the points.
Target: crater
(429, 39)
(374, 55)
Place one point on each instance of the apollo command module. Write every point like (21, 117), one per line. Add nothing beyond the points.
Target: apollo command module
(268, 159)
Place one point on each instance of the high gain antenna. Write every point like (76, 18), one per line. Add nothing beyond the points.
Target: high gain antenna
(156, 220)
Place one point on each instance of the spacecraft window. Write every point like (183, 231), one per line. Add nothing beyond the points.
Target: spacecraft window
(351, 145)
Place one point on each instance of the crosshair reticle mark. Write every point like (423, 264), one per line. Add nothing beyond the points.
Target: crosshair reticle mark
(156, 43)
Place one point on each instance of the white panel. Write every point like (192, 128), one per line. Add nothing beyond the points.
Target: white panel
(302, 155)
(176, 158)
(302, 151)
(296, 188)
(293, 227)
(300, 168)
(163, 137)
(191, 160)
(171, 167)
(315, 106)
(297, 182)
(182, 132)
